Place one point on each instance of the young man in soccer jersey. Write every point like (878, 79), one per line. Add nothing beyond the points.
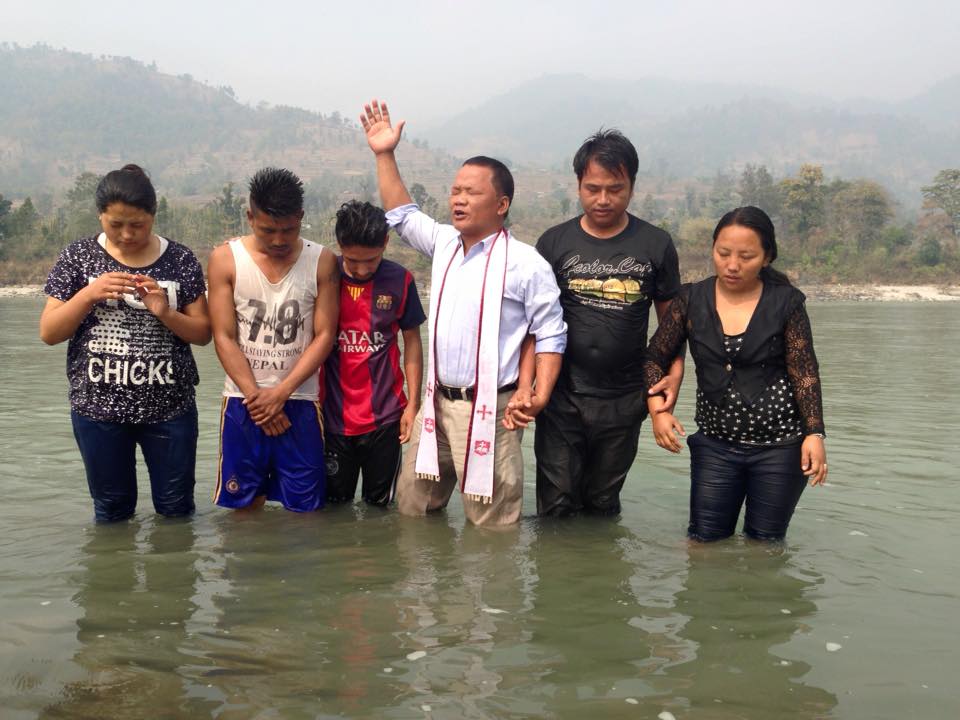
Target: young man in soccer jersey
(273, 306)
(367, 416)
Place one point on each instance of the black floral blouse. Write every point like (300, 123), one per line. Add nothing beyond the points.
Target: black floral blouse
(787, 409)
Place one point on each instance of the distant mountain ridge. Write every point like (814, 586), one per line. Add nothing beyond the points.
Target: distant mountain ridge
(62, 113)
(694, 129)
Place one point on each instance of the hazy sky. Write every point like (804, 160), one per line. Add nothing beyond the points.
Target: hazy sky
(432, 59)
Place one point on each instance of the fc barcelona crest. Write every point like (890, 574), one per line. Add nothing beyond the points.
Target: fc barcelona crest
(481, 447)
(384, 302)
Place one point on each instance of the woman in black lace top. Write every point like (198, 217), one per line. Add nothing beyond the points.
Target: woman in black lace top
(759, 408)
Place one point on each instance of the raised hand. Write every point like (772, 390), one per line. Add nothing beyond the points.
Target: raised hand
(382, 137)
(669, 385)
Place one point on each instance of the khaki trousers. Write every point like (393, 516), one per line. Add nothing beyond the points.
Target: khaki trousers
(416, 496)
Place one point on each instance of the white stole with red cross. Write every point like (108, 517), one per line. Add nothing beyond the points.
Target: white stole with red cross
(478, 463)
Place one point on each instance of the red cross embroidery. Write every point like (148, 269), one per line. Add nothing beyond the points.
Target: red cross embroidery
(483, 412)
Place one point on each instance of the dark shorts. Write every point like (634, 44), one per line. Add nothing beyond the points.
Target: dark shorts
(375, 454)
(724, 475)
(109, 449)
(288, 468)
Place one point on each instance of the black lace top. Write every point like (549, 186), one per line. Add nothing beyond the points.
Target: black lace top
(787, 409)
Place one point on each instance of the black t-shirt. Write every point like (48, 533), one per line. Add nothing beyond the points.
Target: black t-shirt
(123, 364)
(606, 288)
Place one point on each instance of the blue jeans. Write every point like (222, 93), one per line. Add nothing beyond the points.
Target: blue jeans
(108, 450)
(723, 475)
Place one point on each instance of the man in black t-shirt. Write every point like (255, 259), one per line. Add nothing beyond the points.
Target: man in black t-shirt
(610, 267)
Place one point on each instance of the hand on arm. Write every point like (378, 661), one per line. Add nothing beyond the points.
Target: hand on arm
(666, 427)
(192, 325)
(669, 384)
(413, 371)
(60, 320)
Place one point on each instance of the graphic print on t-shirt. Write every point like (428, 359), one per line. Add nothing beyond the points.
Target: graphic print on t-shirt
(612, 286)
(127, 345)
(266, 329)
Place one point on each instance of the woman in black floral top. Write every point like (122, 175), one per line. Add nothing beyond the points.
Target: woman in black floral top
(130, 302)
(759, 407)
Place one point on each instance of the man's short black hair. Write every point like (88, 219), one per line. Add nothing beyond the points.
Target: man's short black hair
(361, 224)
(611, 150)
(276, 192)
(502, 178)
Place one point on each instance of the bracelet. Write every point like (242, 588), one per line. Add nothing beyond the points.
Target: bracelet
(819, 435)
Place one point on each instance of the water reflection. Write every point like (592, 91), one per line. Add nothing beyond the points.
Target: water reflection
(136, 586)
(300, 612)
(744, 602)
(464, 609)
(588, 624)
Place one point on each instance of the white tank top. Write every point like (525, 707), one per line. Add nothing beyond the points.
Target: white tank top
(275, 320)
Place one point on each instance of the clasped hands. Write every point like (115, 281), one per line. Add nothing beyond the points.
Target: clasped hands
(265, 406)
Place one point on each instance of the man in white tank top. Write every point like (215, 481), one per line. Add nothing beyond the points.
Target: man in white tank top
(274, 305)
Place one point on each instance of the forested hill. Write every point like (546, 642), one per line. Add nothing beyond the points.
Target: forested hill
(684, 129)
(64, 113)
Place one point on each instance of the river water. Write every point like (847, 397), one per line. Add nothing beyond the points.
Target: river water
(364, 614)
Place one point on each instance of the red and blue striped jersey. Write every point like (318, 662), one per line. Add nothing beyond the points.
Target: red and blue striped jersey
(363, 377)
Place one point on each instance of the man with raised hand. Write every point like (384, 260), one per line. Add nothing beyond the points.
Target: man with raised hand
(488, 291)
(610, 266)
(273, 306)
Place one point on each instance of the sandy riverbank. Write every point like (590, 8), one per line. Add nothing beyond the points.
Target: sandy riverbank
(863, 293)
(883, 293)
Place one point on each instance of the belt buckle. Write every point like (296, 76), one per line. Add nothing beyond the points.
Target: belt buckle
(455, 393)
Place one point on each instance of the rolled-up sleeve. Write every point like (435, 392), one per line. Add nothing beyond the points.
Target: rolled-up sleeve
(543, 310)
(417, 229)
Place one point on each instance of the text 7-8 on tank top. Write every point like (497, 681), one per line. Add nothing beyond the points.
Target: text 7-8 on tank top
(275, 320)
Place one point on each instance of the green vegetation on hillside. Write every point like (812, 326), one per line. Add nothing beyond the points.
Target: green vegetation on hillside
(829, 231)
(66, 118)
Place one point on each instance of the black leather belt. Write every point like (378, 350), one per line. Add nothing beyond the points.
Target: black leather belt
(467, 393)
